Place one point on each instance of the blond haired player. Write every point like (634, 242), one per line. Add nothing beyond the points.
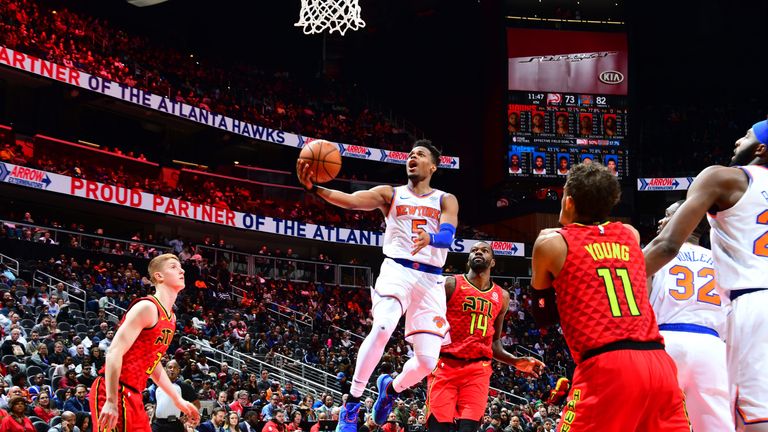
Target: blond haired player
(691, 317)
(736, 201)
(421, 222)
(140, 342)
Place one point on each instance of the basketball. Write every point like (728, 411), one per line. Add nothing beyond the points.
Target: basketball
(324, 160)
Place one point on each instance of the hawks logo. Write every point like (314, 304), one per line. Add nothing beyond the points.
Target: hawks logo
(439, 321)
(495, 296)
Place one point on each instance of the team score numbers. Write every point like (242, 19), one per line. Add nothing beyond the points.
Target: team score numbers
(416, 225)
(610, 289)
(686, 285)
(761, 244)
(570, 100)
(601, 100)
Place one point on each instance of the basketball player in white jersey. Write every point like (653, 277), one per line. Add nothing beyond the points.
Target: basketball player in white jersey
(736, 201)
(421, 223)
(691, 317)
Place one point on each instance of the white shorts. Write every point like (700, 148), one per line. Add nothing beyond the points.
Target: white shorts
(703, 376)
(747, 346)
(421, 296)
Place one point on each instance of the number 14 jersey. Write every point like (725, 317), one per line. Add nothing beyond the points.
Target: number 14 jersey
(471, 312)
(601, 289)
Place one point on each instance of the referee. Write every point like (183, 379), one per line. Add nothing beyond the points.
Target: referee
(167, 416)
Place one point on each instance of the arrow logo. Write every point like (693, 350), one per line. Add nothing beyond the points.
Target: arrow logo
(514, 248)
(675, 183)
(342, 149)
(301, 141)
(384, 155)
(3, 172)
(47, 181)
(643, 184)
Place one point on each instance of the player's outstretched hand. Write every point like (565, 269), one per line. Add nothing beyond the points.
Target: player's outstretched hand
(530, 366)
(420, 242)
(191, 412)
(304, 173)
(108, 416)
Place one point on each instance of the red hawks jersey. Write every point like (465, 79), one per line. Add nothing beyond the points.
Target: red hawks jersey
(471, 313)
(601, 290)
(144, 355)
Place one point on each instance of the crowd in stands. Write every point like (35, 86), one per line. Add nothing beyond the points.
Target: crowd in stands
(199, 188)
(51, 319)
(279, 100)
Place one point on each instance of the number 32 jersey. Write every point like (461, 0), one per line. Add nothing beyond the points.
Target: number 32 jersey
(601, 289)
(471, 312)
(685, 292)
(407, 213)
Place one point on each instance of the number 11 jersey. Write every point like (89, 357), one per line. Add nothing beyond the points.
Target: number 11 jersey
(601, 289)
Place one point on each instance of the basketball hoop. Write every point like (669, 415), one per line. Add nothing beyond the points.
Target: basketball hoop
(333, 15)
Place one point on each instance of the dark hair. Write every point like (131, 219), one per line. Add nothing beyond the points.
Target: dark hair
(702, 228)
(217, 410)
(493, 253)
(432, 149)
(594, 190)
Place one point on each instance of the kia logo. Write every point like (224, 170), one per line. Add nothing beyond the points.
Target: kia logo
(611, 77)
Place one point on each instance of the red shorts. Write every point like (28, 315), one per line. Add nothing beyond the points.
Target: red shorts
(626, 390)
(458, 389)
(130, 407)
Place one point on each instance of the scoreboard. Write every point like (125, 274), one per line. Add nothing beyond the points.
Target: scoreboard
(566, 102)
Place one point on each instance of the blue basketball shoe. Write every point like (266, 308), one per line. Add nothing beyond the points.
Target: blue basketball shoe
(383, 405)
(348, 417)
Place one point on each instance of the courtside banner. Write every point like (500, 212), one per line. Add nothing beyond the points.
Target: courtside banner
(664, 183)
(67, 75)
(81, 188)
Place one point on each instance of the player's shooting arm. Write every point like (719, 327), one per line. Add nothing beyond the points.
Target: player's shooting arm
(548, 252)
(524, 364)
(378, 197)
(706, 192)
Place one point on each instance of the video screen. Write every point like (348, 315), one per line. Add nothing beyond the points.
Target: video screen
(567, 96)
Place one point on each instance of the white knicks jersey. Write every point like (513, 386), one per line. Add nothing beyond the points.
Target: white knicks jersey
(407, 213)
(739, 236)
(685, 291)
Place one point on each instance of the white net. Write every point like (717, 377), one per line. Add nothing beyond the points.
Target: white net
(333, 15)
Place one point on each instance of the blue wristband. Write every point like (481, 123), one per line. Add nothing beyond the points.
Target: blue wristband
(444, 238)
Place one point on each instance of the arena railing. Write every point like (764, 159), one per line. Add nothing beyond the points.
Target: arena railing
(312, 373)
(11, 263)
(296, 317)
(295, 270)
(519, 400)
(59, 234)
(355, 335)
(245, 362)
(74, 292)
